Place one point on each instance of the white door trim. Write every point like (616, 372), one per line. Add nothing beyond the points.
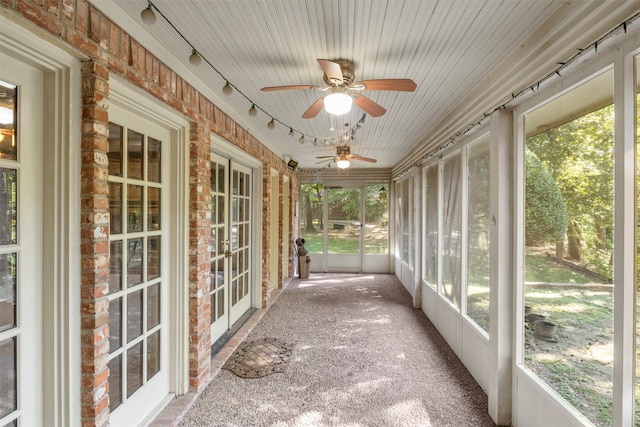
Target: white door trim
(225, 148)
(61, 188)
(130, 98)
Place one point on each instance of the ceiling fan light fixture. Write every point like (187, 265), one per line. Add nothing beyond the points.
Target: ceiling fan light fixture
(343, 163)
(338, 103)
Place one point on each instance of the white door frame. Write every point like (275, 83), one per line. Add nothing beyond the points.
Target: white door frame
(343, 262)
(61, 195)
(124, 95)
(225, 148)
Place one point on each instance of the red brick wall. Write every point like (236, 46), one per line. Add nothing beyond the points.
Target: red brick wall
(94, 246)
(281, 219)
(266, 236)
(199, 266)
(293, 220)
(111, 51)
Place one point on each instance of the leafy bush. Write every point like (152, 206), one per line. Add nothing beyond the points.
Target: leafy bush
(545, 209)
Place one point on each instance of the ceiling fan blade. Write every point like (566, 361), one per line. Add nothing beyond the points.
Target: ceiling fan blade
(370, 107)
(315, 108)
(290, 87)
(332, 70)
(364, 159)
(404, 85)
(325, 157)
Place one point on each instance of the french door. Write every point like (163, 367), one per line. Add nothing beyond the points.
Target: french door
(343, 229)
(139, 266)
(230, 247)
(21, 210)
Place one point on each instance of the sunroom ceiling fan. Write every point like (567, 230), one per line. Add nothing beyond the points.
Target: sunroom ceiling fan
(343, 91)
(343, 157)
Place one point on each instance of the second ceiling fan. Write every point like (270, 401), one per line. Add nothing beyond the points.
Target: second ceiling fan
(343, 91)
(343, 157)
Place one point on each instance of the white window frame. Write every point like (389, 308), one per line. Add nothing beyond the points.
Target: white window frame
(621, 58)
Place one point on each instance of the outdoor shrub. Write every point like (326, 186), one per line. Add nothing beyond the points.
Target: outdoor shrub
(545, 209)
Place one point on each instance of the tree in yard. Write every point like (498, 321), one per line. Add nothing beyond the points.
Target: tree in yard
(579, 156)
(545, 209)
(311, 196)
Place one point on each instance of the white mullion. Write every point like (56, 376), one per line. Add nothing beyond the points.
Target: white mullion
(625, 179)
(464, 227)
(10, 333)
(9, 164)
(226, 235)
(12, 416)
(423, 219)
(145, 349)
(9, 249)
(440, 224)
(19, 366)
(125, 256)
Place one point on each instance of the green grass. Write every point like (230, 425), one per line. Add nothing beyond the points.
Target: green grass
(345, 244)
(539, 268)
(579, 367)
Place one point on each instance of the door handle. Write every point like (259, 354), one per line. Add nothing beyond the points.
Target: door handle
(227, 252)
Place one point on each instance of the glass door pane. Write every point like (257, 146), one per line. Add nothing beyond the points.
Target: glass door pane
(136, 284)
(240, 240)
(344, 225)
(218, 291)
(343, 230)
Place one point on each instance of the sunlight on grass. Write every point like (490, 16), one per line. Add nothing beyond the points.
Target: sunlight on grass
(601, 353)
(578, 364)
(547, 358)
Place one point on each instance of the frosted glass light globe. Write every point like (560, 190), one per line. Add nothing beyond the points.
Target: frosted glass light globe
(338, 103)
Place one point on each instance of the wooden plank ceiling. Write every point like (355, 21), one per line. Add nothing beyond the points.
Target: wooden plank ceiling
(446, 47)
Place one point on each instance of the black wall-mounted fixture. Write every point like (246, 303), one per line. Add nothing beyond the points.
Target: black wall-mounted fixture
(292, 164)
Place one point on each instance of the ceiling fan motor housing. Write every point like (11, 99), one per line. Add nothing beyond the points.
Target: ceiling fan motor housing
(348, 74)
(343, 150)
